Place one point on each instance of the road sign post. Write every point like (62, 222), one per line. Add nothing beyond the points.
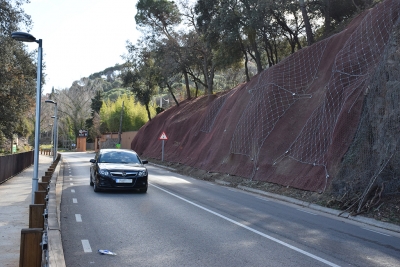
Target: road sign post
(162, 153)
(163, 137)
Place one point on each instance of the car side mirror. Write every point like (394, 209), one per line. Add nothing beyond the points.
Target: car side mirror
(93, 161)
(145, 161)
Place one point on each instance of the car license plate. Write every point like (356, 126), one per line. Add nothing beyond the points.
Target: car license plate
(123, 181)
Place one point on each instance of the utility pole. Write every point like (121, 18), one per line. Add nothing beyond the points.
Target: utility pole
(120, 125)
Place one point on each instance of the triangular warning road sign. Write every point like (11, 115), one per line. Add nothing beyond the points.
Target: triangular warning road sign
(163, 136)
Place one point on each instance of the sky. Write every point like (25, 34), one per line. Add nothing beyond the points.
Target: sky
(80, 37)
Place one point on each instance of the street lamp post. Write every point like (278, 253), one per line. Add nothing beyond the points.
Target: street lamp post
(26, 37)
(55, 136)
(52, 134)
(55, 132)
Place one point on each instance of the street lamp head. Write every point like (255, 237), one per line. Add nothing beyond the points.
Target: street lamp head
(51, 101)
(23, 37)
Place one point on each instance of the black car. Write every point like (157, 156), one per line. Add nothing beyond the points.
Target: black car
(118, 169)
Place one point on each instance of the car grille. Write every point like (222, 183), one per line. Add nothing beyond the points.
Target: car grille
(123, 174)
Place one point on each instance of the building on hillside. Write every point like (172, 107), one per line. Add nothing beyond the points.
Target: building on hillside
(110, 140)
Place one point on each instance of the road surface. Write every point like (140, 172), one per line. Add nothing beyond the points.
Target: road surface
(182, 221)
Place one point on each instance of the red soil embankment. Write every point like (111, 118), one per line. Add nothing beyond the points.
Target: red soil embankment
(289, 125)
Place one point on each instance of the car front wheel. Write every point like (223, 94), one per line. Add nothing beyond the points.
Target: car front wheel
(144, 190)
(95, 188)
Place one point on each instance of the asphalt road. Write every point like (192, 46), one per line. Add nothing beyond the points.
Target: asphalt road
(182, 221)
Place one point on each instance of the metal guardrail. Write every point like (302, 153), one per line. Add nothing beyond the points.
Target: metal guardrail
(11, 165)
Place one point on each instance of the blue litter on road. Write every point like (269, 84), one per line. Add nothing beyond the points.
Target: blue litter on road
(106, 252)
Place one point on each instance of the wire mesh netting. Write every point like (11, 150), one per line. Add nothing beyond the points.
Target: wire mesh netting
(275, 92)
(293, 123)
(213, 111)
(371, 168)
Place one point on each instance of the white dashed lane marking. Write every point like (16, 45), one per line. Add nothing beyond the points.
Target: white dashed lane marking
(78, 218)
(74, 200)
(86, 245)
(72, 190)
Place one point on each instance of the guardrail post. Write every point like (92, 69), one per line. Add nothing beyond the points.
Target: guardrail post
(30, 248)
(40, 197)
(36, 216)
(46, 179)
(42, 186)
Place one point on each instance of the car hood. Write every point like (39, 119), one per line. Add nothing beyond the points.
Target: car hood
(120, 166)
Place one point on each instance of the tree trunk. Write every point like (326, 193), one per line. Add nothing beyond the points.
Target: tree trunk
(148, 111)
(251, 35)
(327, 16)
(268, 51)
(258, 57)
(172, 93)
(294, 39)
(310, 37)
(120, 123)
(208, 75)
(187, 84)
(197, 89)
(246, 67)
(210, 83)
(246, 61)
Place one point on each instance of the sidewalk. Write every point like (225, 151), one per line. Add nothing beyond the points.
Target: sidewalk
(15, 198)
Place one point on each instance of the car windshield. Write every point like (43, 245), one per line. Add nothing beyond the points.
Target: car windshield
(118, 157)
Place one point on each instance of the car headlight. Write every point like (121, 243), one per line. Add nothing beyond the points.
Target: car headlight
(104, 172)
(142, 173)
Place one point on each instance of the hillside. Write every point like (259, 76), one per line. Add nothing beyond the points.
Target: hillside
(325, 120)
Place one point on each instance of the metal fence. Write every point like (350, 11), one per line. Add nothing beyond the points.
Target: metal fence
(11, 165)
(90, 146)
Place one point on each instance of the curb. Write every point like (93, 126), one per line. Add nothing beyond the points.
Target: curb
(338, 213)
(360, 219)
(56, 252)
(162, 166)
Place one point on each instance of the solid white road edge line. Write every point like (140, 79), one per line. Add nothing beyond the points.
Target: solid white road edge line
(86, 246)
(306, 212)
(374, 231)
(251, 229)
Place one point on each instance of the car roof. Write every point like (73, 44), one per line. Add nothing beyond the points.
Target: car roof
(116, 150)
